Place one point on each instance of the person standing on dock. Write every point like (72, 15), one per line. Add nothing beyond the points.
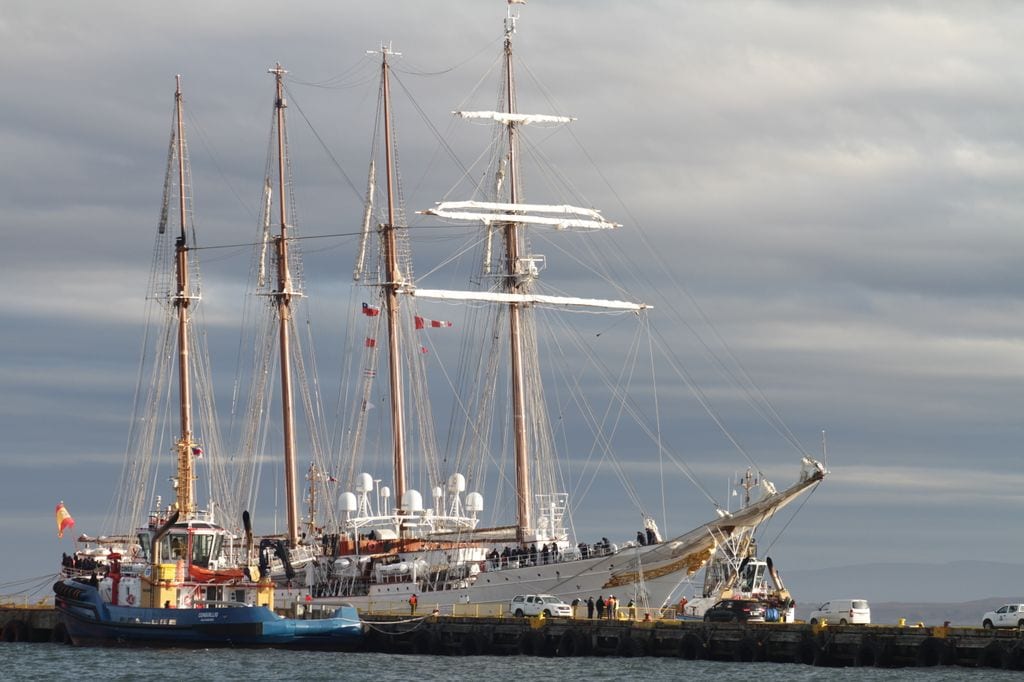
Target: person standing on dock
(590, 608)
(600, 606)
(412, 605)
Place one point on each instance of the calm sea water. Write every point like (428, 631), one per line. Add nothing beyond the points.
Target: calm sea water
(62, 662)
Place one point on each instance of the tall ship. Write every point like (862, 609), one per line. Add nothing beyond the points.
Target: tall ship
(424, 526)
(476, 516)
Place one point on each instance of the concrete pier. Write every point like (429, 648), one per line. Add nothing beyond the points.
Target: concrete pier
(29, 623)
(886, 646)
(827, 646)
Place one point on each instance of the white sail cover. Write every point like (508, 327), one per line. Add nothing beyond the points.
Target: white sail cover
(559, 216)
(501, 297)
(506, 118)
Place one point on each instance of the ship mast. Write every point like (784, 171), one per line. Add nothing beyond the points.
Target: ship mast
(185, 501)
(514, 284)
(507, 217)
(283, 297)
(392, 283)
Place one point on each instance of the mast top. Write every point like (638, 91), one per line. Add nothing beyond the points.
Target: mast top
(385, 50)
(510, 18)
(281, 102)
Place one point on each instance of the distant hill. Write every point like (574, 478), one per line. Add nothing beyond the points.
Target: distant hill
(959, 591)
(958, 581)
(964, 613)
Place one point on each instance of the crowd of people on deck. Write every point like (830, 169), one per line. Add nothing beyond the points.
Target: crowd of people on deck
(524, 556)
(79, 563)
(516, 557)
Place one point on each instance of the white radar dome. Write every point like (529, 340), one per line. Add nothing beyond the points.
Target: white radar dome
(456, 483)
(412, 501)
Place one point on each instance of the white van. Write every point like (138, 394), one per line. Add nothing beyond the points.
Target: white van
(841, 612)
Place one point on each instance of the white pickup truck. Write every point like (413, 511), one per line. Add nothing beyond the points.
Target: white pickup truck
(536, 604)
(1006, 616)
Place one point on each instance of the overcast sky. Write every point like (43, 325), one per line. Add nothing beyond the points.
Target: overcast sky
(836, 183)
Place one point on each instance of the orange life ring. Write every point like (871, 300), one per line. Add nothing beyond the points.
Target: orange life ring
(130, 599)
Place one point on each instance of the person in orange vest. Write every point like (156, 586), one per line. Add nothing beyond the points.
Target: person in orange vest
(412, 605)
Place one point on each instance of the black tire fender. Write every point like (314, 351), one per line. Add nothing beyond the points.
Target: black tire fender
(59, 634)
(931, 652)
(873, 654)
(567, 644)
(425, 643)
(16, 631)
(584, 643)
(747, 650)
(1013, 657)
(543, 645)
(991, 656)
(472, 644)
(526, 643)
(691, 647)
(806, 651)
(630, 647)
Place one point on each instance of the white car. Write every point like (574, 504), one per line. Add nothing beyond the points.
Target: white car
(841, 612)
(537, 604)
(1006, 616)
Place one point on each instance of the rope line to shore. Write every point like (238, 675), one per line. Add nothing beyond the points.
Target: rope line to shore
(28, 588)
(419, 620)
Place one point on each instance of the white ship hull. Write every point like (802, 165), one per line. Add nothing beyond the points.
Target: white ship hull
(569, 580)
(646, 574)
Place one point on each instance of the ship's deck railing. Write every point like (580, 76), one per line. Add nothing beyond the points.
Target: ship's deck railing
(217, 604)
(396, 607)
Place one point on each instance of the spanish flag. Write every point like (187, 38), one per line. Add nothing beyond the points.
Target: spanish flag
(64, 519)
